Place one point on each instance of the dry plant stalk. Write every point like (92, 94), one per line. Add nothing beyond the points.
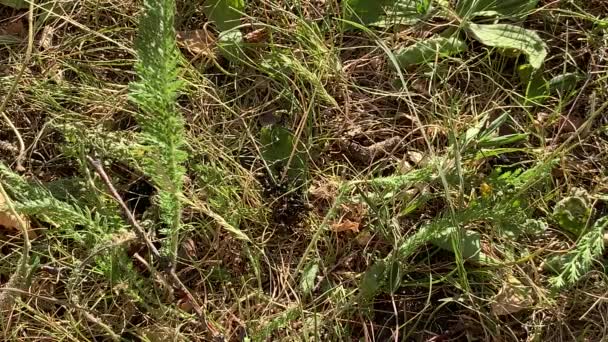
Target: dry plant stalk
(174, 279)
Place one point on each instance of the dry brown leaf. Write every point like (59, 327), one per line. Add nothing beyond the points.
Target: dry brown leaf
(12, 223)
(570, 124)
(512, 298)
(188, 249)
(352, 214)
(256, 36)
(323, 191)
(186, 306)
(415, 157)
(197, 42)
(13, 28)
(345, 226)
(354, 211)
(405, 166)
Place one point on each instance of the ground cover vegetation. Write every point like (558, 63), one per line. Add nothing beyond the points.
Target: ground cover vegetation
(303, 170)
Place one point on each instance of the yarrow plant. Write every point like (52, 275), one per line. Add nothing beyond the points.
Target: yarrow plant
(162, 125)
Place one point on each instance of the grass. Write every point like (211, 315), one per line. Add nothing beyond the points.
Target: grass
(302, 185)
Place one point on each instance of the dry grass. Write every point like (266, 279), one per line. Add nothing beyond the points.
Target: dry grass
(337, 91)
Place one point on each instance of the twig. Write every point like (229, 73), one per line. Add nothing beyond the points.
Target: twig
(159, 277)
(195, 305)
(139, 230)
(11, 91)
(176, 282)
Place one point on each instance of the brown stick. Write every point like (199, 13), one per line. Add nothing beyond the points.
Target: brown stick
(139, 230)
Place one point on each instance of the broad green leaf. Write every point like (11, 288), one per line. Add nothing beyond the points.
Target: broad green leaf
(536, 88)
(489, 137)
(373, 280)
(525, 73)
(511, 37)
(277, 146)
(224, 13)
(470, 245)
(385, 13)
(564, 83)
(485, 153)
(309, 275)
(498, 8)
(394, 276)
(230, 44)
(534, 227)
(573, 212)
(489, 142)
(428, 50)
(495, 124)
(17, 4)
(530, 227)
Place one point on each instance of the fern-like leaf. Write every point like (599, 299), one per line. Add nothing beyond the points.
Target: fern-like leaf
(589, 247)
(82, 225)
(162, 125)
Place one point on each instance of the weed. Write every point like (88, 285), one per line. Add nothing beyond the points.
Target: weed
(330, 170)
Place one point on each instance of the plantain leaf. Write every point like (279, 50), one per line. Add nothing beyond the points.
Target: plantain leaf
(495, 8)
(511, 37)
(529, 227)
(536, 88)
(230, 44)
(498, 141)
(373, 280)
(309, 274)
(224, 13)
(572, 212)
(17, 4)
(277, 146)
(470, 245)
(385, 13)
(564, 83)
(394, 277)
(427, 50)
